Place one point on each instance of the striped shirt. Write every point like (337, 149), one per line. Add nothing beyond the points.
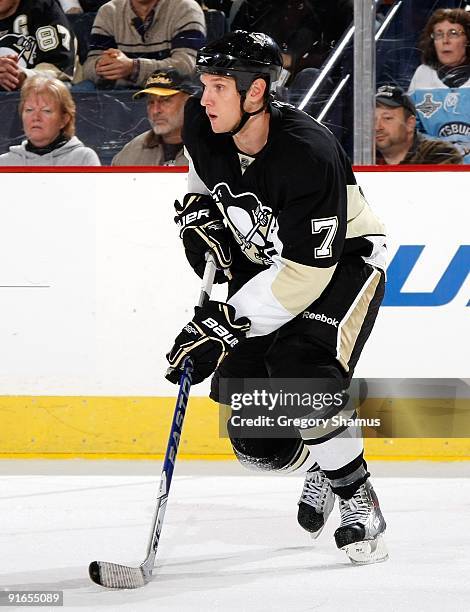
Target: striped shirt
(172, 39)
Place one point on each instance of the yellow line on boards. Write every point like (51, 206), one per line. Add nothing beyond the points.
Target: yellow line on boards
(137, 428)
(114, 456)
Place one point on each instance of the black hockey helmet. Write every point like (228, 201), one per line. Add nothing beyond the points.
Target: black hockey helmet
(244, 56)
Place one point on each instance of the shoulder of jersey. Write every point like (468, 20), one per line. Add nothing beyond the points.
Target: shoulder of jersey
(301, 127)
(290, 111)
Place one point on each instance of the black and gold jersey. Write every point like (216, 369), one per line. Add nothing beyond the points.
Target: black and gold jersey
(294, 209)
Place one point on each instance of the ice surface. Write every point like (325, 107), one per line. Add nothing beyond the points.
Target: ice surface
(230, 539)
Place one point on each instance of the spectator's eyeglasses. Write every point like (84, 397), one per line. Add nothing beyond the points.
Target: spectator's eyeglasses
(452, 34)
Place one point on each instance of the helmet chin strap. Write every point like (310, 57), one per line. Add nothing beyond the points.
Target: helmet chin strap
(245, 115)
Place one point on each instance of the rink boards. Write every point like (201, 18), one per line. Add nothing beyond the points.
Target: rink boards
(94, 285)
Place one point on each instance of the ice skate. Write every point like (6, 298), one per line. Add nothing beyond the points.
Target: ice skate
(316, 503)
(362, 526)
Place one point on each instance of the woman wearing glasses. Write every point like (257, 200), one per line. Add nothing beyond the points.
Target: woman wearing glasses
(440, 87)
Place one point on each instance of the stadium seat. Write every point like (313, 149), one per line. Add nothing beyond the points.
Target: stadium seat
(216, 24)
(81, 25)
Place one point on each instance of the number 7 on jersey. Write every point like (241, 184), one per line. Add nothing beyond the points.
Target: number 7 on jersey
(330, 226)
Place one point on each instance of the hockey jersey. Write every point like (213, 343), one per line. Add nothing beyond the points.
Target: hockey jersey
(39, 33)
(443, 112)
(294, 210)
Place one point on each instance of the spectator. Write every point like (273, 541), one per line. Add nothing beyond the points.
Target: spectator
(47, 110)
(35, 36)
(166, 93)
(396, 138)
(440, 87)
(131, 39)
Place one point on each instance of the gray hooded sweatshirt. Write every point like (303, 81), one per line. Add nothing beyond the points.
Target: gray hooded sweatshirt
(72, 153)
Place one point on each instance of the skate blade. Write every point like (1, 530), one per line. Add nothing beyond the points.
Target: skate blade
(368, 551)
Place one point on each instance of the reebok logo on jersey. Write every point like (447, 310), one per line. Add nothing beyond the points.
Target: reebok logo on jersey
(319, 317)
(190, 329)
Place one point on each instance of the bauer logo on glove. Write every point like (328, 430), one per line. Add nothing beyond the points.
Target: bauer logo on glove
(207, 339)
(198, 215)
(201, 229)
(220, 330)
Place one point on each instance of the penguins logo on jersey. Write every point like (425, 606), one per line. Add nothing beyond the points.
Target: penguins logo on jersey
(428, 106)
(451, 102)
(24, 46)
(252, 223)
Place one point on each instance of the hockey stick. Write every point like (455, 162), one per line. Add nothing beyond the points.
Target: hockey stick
(113, 575)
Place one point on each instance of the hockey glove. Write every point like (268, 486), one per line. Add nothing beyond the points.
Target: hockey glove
(201, 230)
(207, 339)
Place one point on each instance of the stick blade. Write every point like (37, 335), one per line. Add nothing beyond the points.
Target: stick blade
(115, 576)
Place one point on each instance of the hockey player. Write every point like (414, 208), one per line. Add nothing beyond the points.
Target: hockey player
(272, 193)
(35, 35)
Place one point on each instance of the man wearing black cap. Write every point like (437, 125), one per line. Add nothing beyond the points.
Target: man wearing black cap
(166, 92)
(396, 138)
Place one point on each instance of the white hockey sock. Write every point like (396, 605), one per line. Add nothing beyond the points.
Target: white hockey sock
(337, 452)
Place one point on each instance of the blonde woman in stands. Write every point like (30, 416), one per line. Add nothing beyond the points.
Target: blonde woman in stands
(440, 87)
(47, 110)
